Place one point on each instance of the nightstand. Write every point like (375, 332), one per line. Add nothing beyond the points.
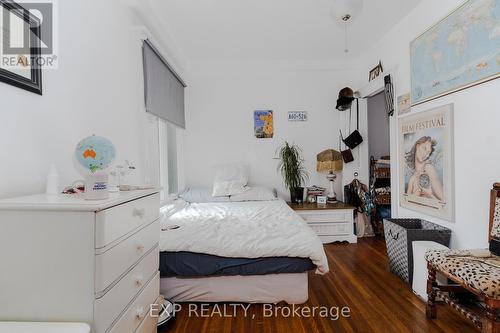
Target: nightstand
(332, 222)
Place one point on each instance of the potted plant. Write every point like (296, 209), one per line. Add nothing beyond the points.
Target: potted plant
(292, 170)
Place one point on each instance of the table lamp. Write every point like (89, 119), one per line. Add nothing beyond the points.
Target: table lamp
(330, 161)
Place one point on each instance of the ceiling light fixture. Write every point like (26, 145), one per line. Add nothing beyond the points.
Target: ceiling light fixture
(346, 18)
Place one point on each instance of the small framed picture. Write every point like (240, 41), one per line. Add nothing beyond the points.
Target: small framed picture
(376, 71)
(321, 199)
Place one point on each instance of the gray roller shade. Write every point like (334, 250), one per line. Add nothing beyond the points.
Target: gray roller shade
(164, 89)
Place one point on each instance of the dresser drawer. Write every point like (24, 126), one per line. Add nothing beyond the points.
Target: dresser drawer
(118, 221)
(326, 216)
(331, 229)
(114, 262)
(108, 307)
(138, 311)
(149, 323)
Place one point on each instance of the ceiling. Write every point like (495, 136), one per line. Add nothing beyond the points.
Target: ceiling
(274, 30)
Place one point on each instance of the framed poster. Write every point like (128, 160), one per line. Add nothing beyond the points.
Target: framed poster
(458, 52)
(426, 162)
(263, 124)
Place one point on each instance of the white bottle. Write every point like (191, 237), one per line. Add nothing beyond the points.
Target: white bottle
(52, 185)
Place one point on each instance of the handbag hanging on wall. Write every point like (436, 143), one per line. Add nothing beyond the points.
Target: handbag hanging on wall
(354, 139)
(347, 153)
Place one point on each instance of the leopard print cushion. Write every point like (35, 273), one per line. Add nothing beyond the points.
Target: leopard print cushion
(473, 273)
(495, 230)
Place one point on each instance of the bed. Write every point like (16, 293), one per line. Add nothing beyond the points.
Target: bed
(250, 251)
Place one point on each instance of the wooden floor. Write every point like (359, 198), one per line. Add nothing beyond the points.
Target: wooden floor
(359, 278)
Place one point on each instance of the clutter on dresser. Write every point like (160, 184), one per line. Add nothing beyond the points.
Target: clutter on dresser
(94, 155)
(119, 176)
(313, 192)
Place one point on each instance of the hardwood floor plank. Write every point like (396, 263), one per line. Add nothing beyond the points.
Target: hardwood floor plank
(360, 279)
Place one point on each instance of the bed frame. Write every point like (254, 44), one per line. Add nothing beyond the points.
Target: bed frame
(271, 288)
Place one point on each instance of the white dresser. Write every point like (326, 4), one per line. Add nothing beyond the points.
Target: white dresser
(66, 259)
(331, 222)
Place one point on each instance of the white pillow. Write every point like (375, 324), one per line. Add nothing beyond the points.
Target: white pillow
(201, 195)
(230, 179)
(255, 194)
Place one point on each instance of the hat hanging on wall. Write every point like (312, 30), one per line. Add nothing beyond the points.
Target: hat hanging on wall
(344, 102)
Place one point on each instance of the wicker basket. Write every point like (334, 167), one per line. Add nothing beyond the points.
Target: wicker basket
(399, 235)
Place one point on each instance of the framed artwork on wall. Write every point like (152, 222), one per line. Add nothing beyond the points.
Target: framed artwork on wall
(20, 47)
(376, 71)
(426, 175)
(458, 52)
(404, 106)
(263, 124)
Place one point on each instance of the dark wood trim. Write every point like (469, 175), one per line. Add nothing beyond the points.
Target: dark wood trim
(34, 84)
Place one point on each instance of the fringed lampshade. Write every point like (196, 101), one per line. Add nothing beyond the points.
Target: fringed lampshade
(329, 160)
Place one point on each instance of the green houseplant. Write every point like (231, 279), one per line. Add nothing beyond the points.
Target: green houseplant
(292, 170)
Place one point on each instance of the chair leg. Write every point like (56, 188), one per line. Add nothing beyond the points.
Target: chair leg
(489, 323)
(431, 310)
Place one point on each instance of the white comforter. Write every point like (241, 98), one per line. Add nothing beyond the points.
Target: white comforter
(242, 230)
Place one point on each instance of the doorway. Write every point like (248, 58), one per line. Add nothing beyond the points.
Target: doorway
(380, 166)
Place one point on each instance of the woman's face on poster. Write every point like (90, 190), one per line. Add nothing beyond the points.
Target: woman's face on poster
(423, 151)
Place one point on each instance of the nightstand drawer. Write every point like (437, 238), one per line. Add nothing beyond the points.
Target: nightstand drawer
(331, 229)
(118, 221)
(114, 262)
(325, 216)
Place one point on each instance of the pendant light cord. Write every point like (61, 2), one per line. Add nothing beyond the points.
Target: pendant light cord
(346, 18)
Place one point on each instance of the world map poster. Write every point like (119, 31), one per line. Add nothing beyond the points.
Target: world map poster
(460, 51)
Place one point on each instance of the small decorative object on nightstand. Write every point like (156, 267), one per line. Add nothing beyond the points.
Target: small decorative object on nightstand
(332, 222)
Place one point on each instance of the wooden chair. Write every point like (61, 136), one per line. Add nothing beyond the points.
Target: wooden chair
(474, 273)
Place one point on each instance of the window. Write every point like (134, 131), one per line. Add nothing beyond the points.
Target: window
(164, 99)
(167, 143)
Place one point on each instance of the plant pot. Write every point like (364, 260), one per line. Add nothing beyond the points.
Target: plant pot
(297, 195)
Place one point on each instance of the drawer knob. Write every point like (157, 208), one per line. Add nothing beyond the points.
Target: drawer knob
(140, 313)
(138, 212)
(139, 280)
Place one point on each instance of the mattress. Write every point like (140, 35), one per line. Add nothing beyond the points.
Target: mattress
(251, 230)
(189, 264)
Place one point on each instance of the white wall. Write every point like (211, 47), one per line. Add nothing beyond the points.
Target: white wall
(476, 119)
(98, 89)
(220, 107)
